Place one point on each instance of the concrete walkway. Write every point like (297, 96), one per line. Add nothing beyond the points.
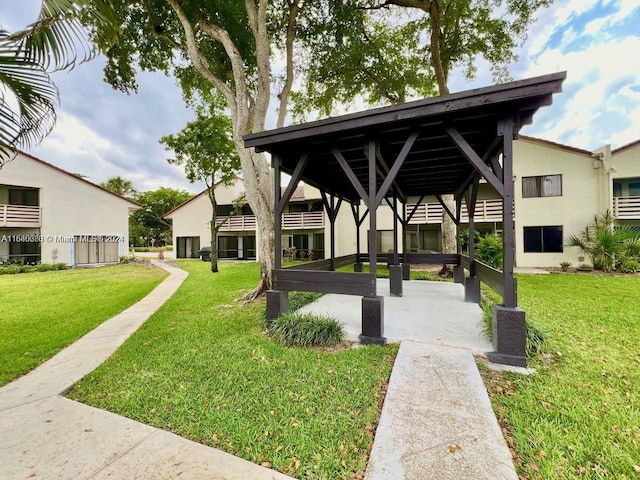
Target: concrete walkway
(47, 436)
(437, 421)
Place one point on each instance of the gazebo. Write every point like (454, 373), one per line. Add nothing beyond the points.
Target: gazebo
(435, 147)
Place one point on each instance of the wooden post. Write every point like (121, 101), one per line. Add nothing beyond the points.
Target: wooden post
(332, 220)
(277, 221)
(508, 233)
(373, 208)
(396, 261)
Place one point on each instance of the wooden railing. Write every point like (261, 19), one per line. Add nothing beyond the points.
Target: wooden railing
(490, 276)
(626, 208)
(486, 211)
(290, 221)
(20, 216)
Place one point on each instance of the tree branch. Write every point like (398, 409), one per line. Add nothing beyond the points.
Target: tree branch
(283, 97)
(200, 62)
(257, 12)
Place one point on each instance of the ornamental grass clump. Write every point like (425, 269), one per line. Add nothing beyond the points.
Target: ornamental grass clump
(307, 330)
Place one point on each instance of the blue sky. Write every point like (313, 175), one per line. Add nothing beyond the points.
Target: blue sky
(102, 133)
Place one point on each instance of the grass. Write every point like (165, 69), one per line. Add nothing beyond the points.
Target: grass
(578, 416)
(203, 368)
(41, 313)
(382, 271)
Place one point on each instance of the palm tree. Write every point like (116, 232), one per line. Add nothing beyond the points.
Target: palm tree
(605, 243)
(57, 40)
(120, 186)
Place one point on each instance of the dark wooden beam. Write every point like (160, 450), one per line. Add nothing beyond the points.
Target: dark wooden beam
(351, 176)
(510, 296)
(414, 209)
(475, 160)
(293, 183)
(383, 171)
(446, 209)
(277, 220)
(372, 204)
(397, 165)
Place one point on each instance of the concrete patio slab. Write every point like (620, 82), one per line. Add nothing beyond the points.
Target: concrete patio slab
(432, 312)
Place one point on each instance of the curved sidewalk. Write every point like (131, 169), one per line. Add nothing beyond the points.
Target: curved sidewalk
(47, 436)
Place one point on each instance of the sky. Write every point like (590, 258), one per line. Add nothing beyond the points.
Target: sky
(102, 133)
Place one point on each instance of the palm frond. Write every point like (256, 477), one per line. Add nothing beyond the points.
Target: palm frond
(59, 39)
(28, 99)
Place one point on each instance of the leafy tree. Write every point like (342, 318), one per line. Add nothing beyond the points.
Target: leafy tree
(221, 46)
(606, 244)
(57, 40)
(120, 186)
(206, 150)
(148, 223)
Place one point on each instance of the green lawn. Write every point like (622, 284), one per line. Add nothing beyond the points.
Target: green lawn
(202, 367)
(41, 313)
(578, 416)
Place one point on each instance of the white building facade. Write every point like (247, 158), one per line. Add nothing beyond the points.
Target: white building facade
(49, 215)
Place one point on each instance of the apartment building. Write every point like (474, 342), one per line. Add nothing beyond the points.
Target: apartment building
(50, 215)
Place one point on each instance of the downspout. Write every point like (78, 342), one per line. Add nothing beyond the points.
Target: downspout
(602, 157)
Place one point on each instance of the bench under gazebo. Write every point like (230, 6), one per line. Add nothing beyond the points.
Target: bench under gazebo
(398, 155)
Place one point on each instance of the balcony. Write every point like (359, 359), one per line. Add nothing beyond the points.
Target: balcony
(626, 208)
(486, 211)
(21, 216)
(290, 221)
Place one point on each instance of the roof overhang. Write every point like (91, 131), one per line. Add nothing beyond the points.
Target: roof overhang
(434, 164)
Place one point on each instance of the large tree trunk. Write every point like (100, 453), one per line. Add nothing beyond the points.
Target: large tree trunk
(449, 238)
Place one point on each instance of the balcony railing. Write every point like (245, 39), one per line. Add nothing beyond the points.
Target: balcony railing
(290, 221)
(24, 216)
(626, 208)
(486, 211)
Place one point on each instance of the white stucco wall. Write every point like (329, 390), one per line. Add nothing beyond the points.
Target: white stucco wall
(573, 210)
(70, 206)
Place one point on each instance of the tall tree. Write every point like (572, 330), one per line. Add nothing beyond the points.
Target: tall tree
(205, 148)
(149, 222)
(220, 45)
(57, 40)
(120, 186)
(432, 37)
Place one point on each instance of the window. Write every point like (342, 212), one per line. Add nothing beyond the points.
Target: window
(545, 239)
(384, 241)
(634, 189)
(23, 197)
(617, 189)
(542, 186)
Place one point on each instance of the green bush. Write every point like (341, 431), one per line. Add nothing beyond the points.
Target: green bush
(298, 300)
(44, 267)
(306, 330)
(564, 266)
(489, 251)
(629, 266)
(585, 267)
(28, 268)
(10, 269)
(60, 266)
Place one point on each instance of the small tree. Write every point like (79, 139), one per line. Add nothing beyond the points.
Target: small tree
(149, 221)
(206, 150)
(605, 243)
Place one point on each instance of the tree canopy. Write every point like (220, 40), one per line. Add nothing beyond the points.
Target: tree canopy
(147, 225)
(120, 186)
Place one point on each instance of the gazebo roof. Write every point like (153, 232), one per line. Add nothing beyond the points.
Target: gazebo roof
(435, 164)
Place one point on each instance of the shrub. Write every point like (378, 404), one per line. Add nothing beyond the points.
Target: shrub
(585, 267)
(564, 266)
(489, 251)
(44, 267)
(298, 300)
(60, 266)
(629, 266)
(10, 269)
(27, 268)
(307, 330)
